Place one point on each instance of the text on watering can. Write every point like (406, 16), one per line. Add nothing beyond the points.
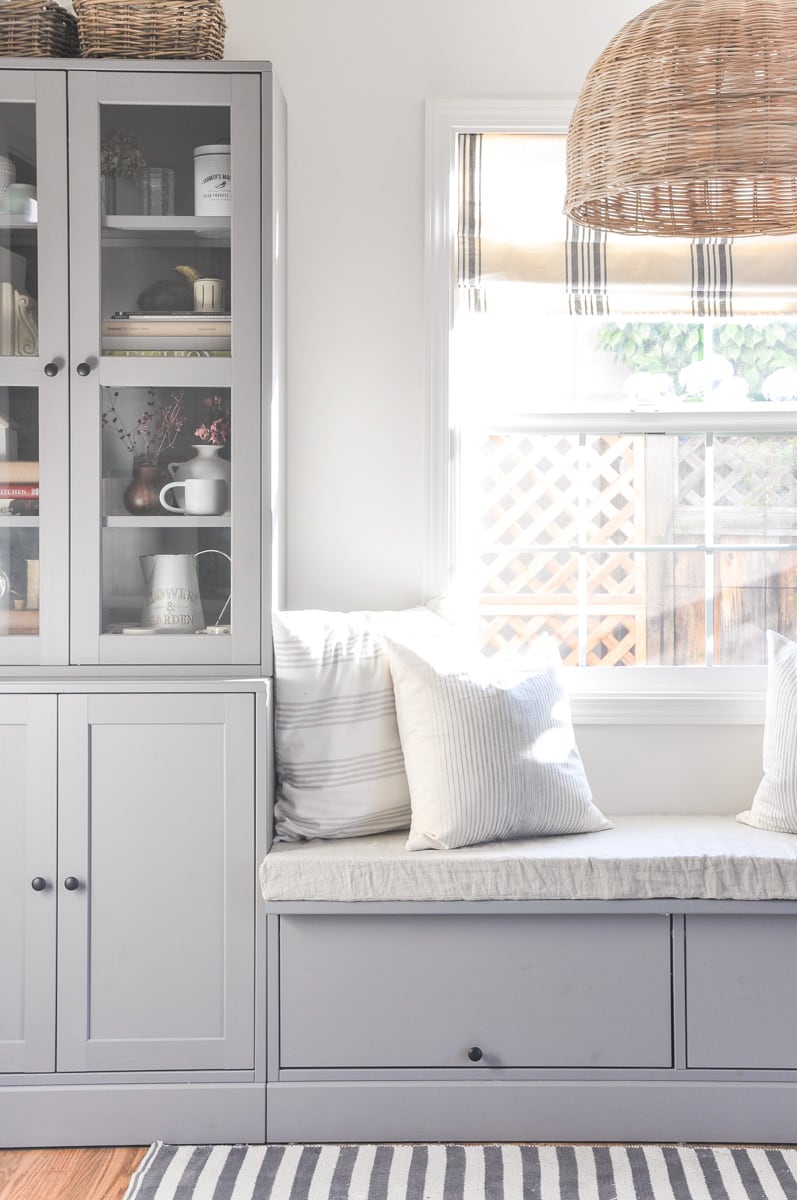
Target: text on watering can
(172, 600)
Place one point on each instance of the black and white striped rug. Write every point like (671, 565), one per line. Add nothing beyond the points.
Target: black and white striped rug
(464, 1172)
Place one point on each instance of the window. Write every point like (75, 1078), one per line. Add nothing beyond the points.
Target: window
(620, 416)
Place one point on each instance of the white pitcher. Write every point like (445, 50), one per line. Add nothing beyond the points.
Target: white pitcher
(172, 602)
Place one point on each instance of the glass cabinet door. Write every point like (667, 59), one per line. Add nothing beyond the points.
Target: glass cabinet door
(165, 342)
(33, 378)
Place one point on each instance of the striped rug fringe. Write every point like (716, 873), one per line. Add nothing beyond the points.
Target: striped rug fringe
(465, 1172)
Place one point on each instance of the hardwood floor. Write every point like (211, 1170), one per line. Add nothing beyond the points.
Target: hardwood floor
(101, 1174)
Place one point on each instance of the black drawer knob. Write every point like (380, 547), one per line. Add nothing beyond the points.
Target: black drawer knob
(83, 369)
(71, 884)
(51, 370)
(38, 884)
(475, 1054)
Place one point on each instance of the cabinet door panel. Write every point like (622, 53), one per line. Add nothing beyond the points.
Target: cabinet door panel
(27, 851)
(405, 991)
(34, 406)
(156, 942)
(162, 380)
(741, 978)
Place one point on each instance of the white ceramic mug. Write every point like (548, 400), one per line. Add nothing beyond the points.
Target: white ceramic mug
(203, 497)
(209, 295)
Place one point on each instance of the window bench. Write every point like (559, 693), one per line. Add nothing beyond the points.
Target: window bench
(632, 984)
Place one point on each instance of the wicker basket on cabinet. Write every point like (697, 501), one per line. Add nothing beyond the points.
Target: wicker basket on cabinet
(150, 28)
(37, 29)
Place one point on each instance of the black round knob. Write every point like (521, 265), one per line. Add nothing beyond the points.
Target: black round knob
(51, 370)
(475, 1053)
(71, 884)
(83, 369)
(38, 884)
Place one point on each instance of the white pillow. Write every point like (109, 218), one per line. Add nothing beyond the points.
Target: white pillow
(775, 802)
(488, 758)
(340, 770)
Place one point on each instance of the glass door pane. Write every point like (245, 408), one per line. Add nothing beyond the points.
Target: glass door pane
(166, 198)
(166, 554)
(34, 386)
(19, 288)
(19, 511)
(167, 342)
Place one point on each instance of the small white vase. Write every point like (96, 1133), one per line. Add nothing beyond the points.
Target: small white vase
(205, 465)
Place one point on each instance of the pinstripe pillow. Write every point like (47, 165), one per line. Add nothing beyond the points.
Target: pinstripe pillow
(488, 759)
(775, 802)
(340, 770)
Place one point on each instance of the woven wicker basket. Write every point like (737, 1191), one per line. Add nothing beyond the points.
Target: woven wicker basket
(150, 28)
(687, 123)
(37, 29)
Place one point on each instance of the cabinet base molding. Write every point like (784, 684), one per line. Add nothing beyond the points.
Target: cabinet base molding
(132, 1116)
(532, 1111)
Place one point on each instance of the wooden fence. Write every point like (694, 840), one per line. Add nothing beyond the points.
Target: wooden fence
(559, 518)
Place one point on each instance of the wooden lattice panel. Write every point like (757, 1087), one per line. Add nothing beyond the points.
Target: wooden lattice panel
(613, 490)
(539, 490)
(755, 472)
(601, 496)
(615, 640)
(691, 468)
(508, 634)
(527, 488)
(528, 575)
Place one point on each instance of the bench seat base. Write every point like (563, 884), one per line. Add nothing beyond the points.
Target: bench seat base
(533, 1111)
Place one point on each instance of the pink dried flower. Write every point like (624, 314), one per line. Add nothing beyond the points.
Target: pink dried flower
(216, 427)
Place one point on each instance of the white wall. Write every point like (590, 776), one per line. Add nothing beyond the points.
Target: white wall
(356, 74)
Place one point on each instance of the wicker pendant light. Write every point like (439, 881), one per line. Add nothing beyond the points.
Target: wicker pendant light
(687, 123)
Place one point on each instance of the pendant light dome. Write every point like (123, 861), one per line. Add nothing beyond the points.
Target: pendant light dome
(687, 123)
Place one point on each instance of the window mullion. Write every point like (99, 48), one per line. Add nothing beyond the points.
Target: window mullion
(709, 498)
(582, 589)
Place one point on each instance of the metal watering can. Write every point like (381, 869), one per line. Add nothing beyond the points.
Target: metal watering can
(173, 603)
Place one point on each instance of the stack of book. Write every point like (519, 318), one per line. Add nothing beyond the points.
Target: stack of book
(19, 488)
(179, 333)
(19, 621)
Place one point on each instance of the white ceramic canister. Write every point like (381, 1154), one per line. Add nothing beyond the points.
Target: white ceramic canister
(212, 181)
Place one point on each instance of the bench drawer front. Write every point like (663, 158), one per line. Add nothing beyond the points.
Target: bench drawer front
(741, 980)
(418, 991)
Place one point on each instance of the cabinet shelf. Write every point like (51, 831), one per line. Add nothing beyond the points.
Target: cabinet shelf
(8, 521)
(25, 232)
(167, 522)
(165, 230)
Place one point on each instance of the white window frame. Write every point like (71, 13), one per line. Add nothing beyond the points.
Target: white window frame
(634, 695)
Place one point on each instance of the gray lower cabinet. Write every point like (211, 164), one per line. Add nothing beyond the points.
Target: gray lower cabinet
(741, 980)
(423, 991)
(28, 805)
(127, 901)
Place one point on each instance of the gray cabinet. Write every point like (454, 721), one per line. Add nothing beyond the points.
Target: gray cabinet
(142, 923)
(135, 642)
(157, 807)
(526, 991)
(125, 379)
(27, 882)
(741, 979)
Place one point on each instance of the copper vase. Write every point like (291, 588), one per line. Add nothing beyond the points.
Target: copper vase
(142, 495)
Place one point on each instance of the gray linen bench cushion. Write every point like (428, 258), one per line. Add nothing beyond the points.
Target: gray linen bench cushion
(641, 858)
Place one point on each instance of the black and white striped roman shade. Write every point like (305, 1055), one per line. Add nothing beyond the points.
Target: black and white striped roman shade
(511, 231)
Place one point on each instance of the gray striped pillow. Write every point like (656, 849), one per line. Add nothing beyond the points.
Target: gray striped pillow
(488, 759)
(340, 770)
(775, 802)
